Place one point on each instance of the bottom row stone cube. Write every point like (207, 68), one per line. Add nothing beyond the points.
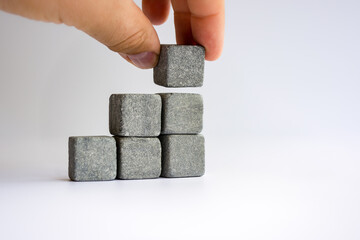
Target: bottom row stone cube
(92, 158)
(138, 158)
(100, 158)
(182, 155)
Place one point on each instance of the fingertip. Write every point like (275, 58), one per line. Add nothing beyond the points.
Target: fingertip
(213, 44)
(156, 10)
(212, 54)
(211, 57)
(202, 22)
(209, 32)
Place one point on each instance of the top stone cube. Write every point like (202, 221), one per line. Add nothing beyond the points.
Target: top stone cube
(180, 66)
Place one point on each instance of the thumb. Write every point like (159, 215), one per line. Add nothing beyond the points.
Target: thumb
(119, 24)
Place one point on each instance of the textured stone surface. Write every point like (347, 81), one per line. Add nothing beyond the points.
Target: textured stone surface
(92, 158)
(180, 66)
(182, 155)
(135, 114)
(138, 158)
(182, 113)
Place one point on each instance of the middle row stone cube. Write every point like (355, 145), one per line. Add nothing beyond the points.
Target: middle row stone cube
(140, 115)
(136, 115)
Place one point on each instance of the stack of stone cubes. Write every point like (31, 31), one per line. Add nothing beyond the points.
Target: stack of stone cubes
(153, 134)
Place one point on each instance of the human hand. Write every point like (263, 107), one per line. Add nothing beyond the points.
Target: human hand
(124, 28)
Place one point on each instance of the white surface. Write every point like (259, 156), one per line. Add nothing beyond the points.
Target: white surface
(281, 128)
(253, 189)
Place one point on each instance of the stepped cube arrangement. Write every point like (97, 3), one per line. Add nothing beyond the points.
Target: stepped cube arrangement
(153, 134)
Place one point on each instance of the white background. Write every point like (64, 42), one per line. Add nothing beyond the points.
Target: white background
(282, 128)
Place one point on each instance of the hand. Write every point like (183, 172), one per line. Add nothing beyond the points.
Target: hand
(124, 28)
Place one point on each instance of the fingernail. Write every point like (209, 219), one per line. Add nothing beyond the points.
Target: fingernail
(143, 60)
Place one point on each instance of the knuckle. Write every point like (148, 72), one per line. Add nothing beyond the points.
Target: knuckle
(132, 43)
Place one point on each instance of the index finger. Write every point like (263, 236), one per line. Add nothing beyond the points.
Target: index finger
(202, 22)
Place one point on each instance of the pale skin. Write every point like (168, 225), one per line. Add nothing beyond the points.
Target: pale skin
(125, 29)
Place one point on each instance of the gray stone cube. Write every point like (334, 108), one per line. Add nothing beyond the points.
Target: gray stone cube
(92, 158)
(182, 155)
(182, 113)
(138, 158)
(135, 115)
(180, 66)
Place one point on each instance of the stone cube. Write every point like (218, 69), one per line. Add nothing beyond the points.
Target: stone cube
(182, 156)
(135, 115)
(182, 113)
(138, 158)
(180, 66)
(92, 158)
